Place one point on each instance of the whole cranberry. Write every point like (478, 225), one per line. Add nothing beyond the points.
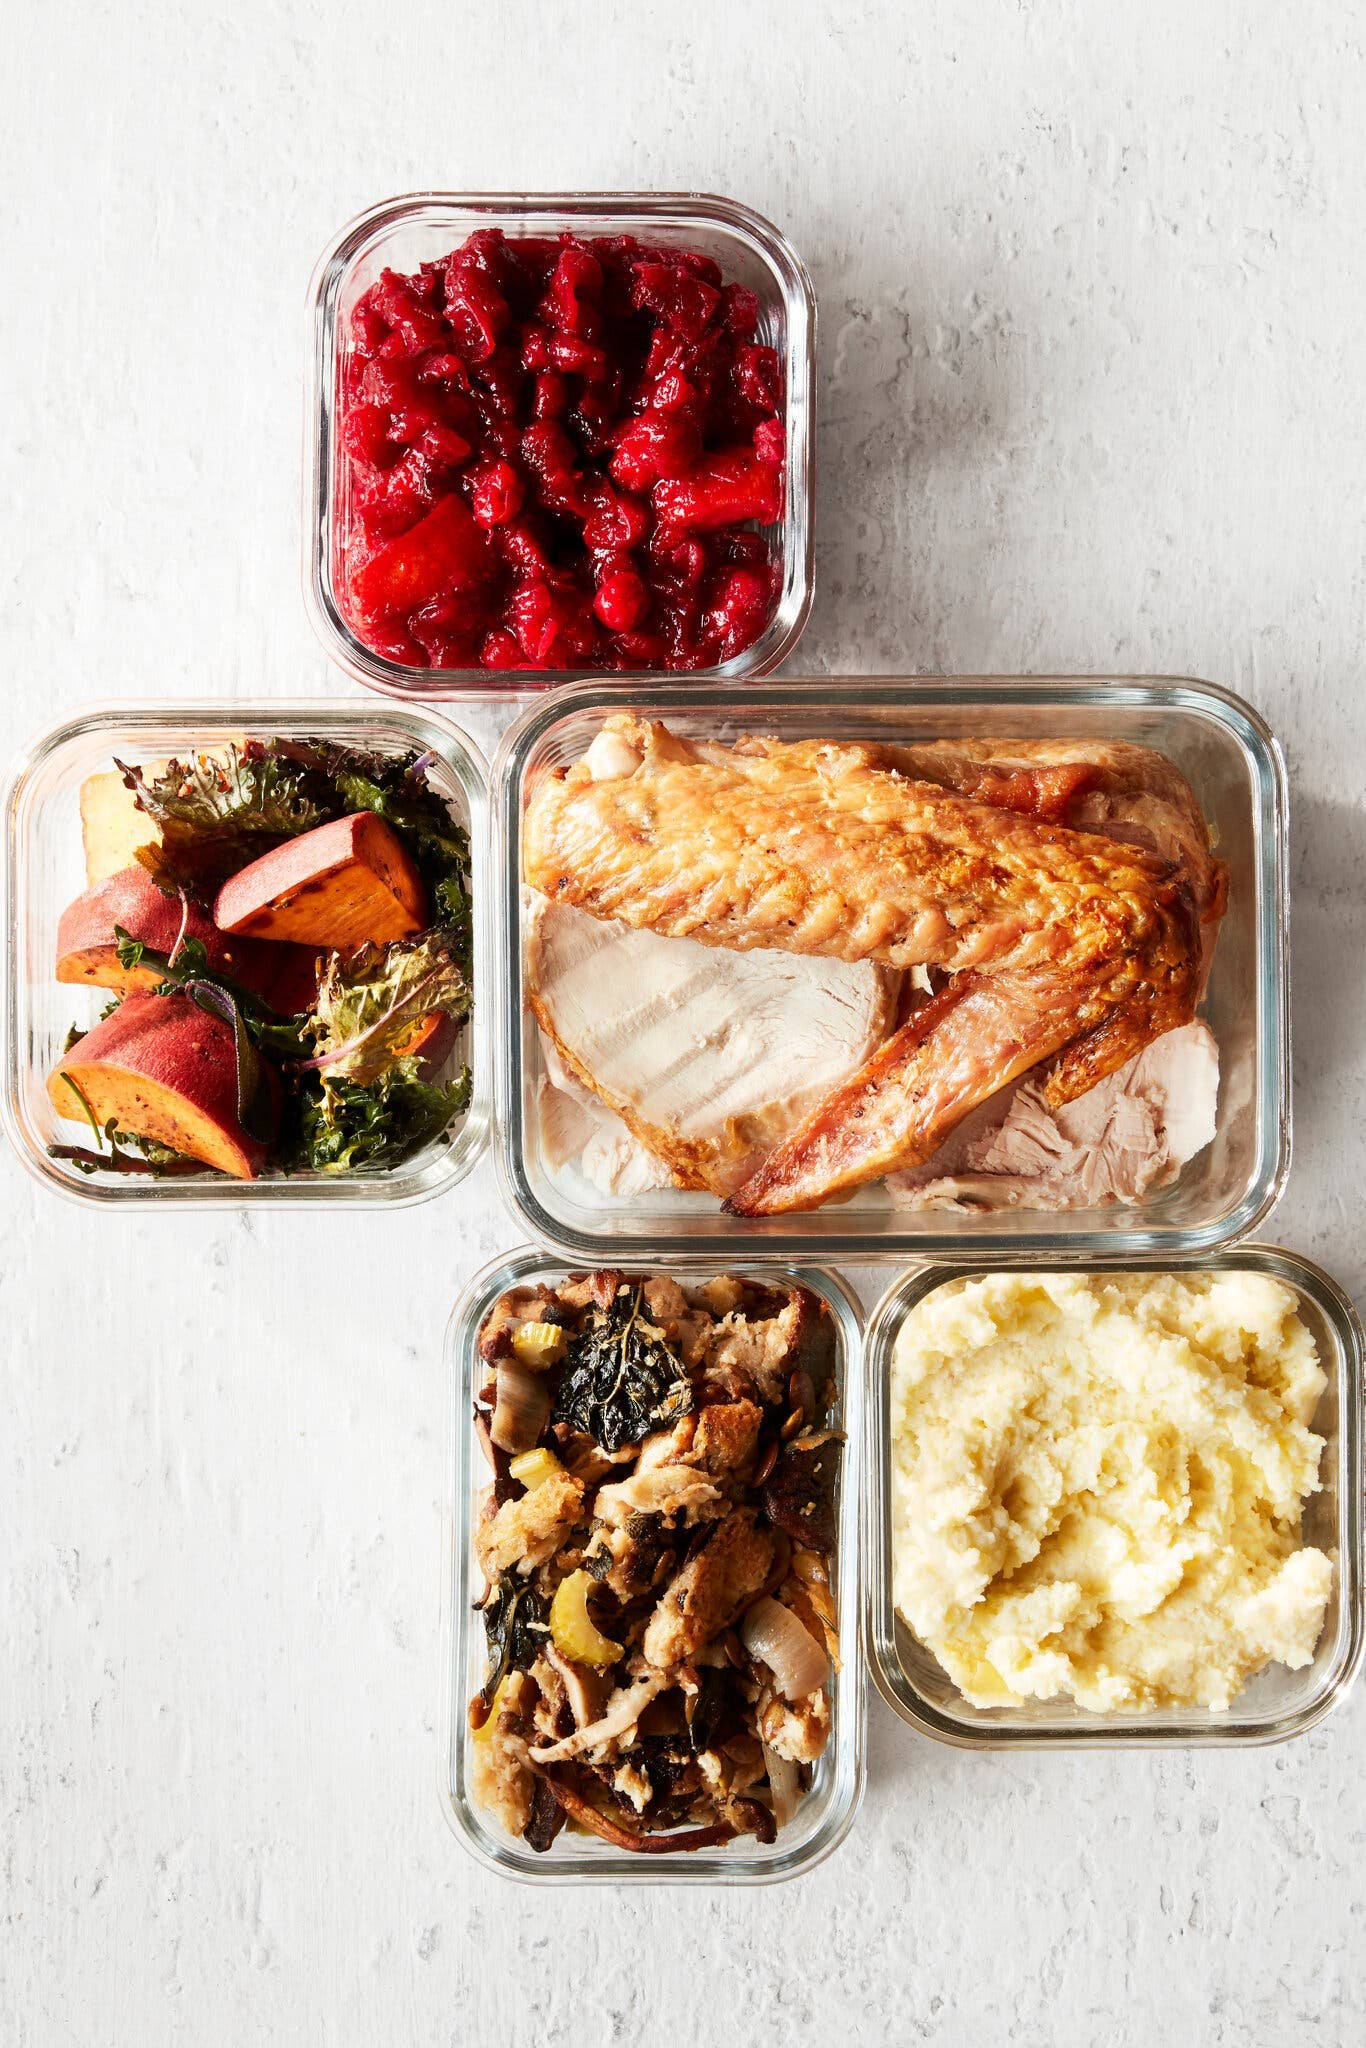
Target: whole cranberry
(523, 549)
(637, 650)
(655, 446)
(742, 609)
(683, 301)
(365, 432)
(442, 370)
(500, 650)
(368, 326)
(498, 495)
(758, 377)
(550, 399)
(572, 296)
(617, 520)
(770, 443)
(622, 601)
(442, 448)
(477, 312)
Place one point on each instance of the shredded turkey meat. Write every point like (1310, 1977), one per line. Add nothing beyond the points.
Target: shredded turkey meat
(624, 1550)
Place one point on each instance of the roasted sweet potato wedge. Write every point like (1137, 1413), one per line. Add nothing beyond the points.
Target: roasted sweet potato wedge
(88, 951)
(289, 980)
(338, 886)
(433, 1039)
(163, 1069)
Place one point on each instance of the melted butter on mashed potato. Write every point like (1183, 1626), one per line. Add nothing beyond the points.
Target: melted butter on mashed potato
(1097, 1485)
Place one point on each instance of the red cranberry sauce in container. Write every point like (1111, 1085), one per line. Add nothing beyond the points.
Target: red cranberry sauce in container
(559, 437)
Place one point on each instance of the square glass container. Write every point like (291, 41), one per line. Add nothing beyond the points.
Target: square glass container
(425, 226)
(1235, 768)
(44, 870)
(1273, 1706)
(827, 1812)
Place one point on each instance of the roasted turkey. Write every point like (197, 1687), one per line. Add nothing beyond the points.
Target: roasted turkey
(1061, 894)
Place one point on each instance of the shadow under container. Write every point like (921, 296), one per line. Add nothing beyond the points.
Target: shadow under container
(1234, 766)
(826, 1814)
(1275, 1705)
(423, 227)
(44, 871)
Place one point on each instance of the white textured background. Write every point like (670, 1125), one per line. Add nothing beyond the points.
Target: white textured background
(1093, 303)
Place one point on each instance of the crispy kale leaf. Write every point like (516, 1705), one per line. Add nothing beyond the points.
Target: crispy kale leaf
(369, 1005)
(218, 811)
(622, 1379)
(341, 1125)
(515, 1625)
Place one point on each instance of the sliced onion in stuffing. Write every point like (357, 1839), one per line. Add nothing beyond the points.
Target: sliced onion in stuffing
(521, 1407)
(784, 1782)
(773, 1634)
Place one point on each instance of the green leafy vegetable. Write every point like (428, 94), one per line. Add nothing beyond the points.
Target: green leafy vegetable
(516, 1627)
(369, 1005)
(622, 1379)
(218, 811)
(341, 1125)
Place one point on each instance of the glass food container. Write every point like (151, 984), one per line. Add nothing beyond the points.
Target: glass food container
(826, 1813)
(1235, 767)
(422, 227)
(1273, 1706)
(44, 871)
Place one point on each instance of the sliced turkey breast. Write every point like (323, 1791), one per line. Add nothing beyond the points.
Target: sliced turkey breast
(710, 1057)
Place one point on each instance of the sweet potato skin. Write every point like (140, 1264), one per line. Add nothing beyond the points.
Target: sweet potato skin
(289, 978)
(88, 951)
(164, 1069)
(344, 883)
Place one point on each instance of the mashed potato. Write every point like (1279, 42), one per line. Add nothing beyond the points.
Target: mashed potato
(1097, 1485)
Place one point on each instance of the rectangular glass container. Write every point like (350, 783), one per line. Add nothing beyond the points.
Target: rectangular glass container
(44, 870)
(425, 226)
(1273, 1706)
(1235, 768)
(826, 1813)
